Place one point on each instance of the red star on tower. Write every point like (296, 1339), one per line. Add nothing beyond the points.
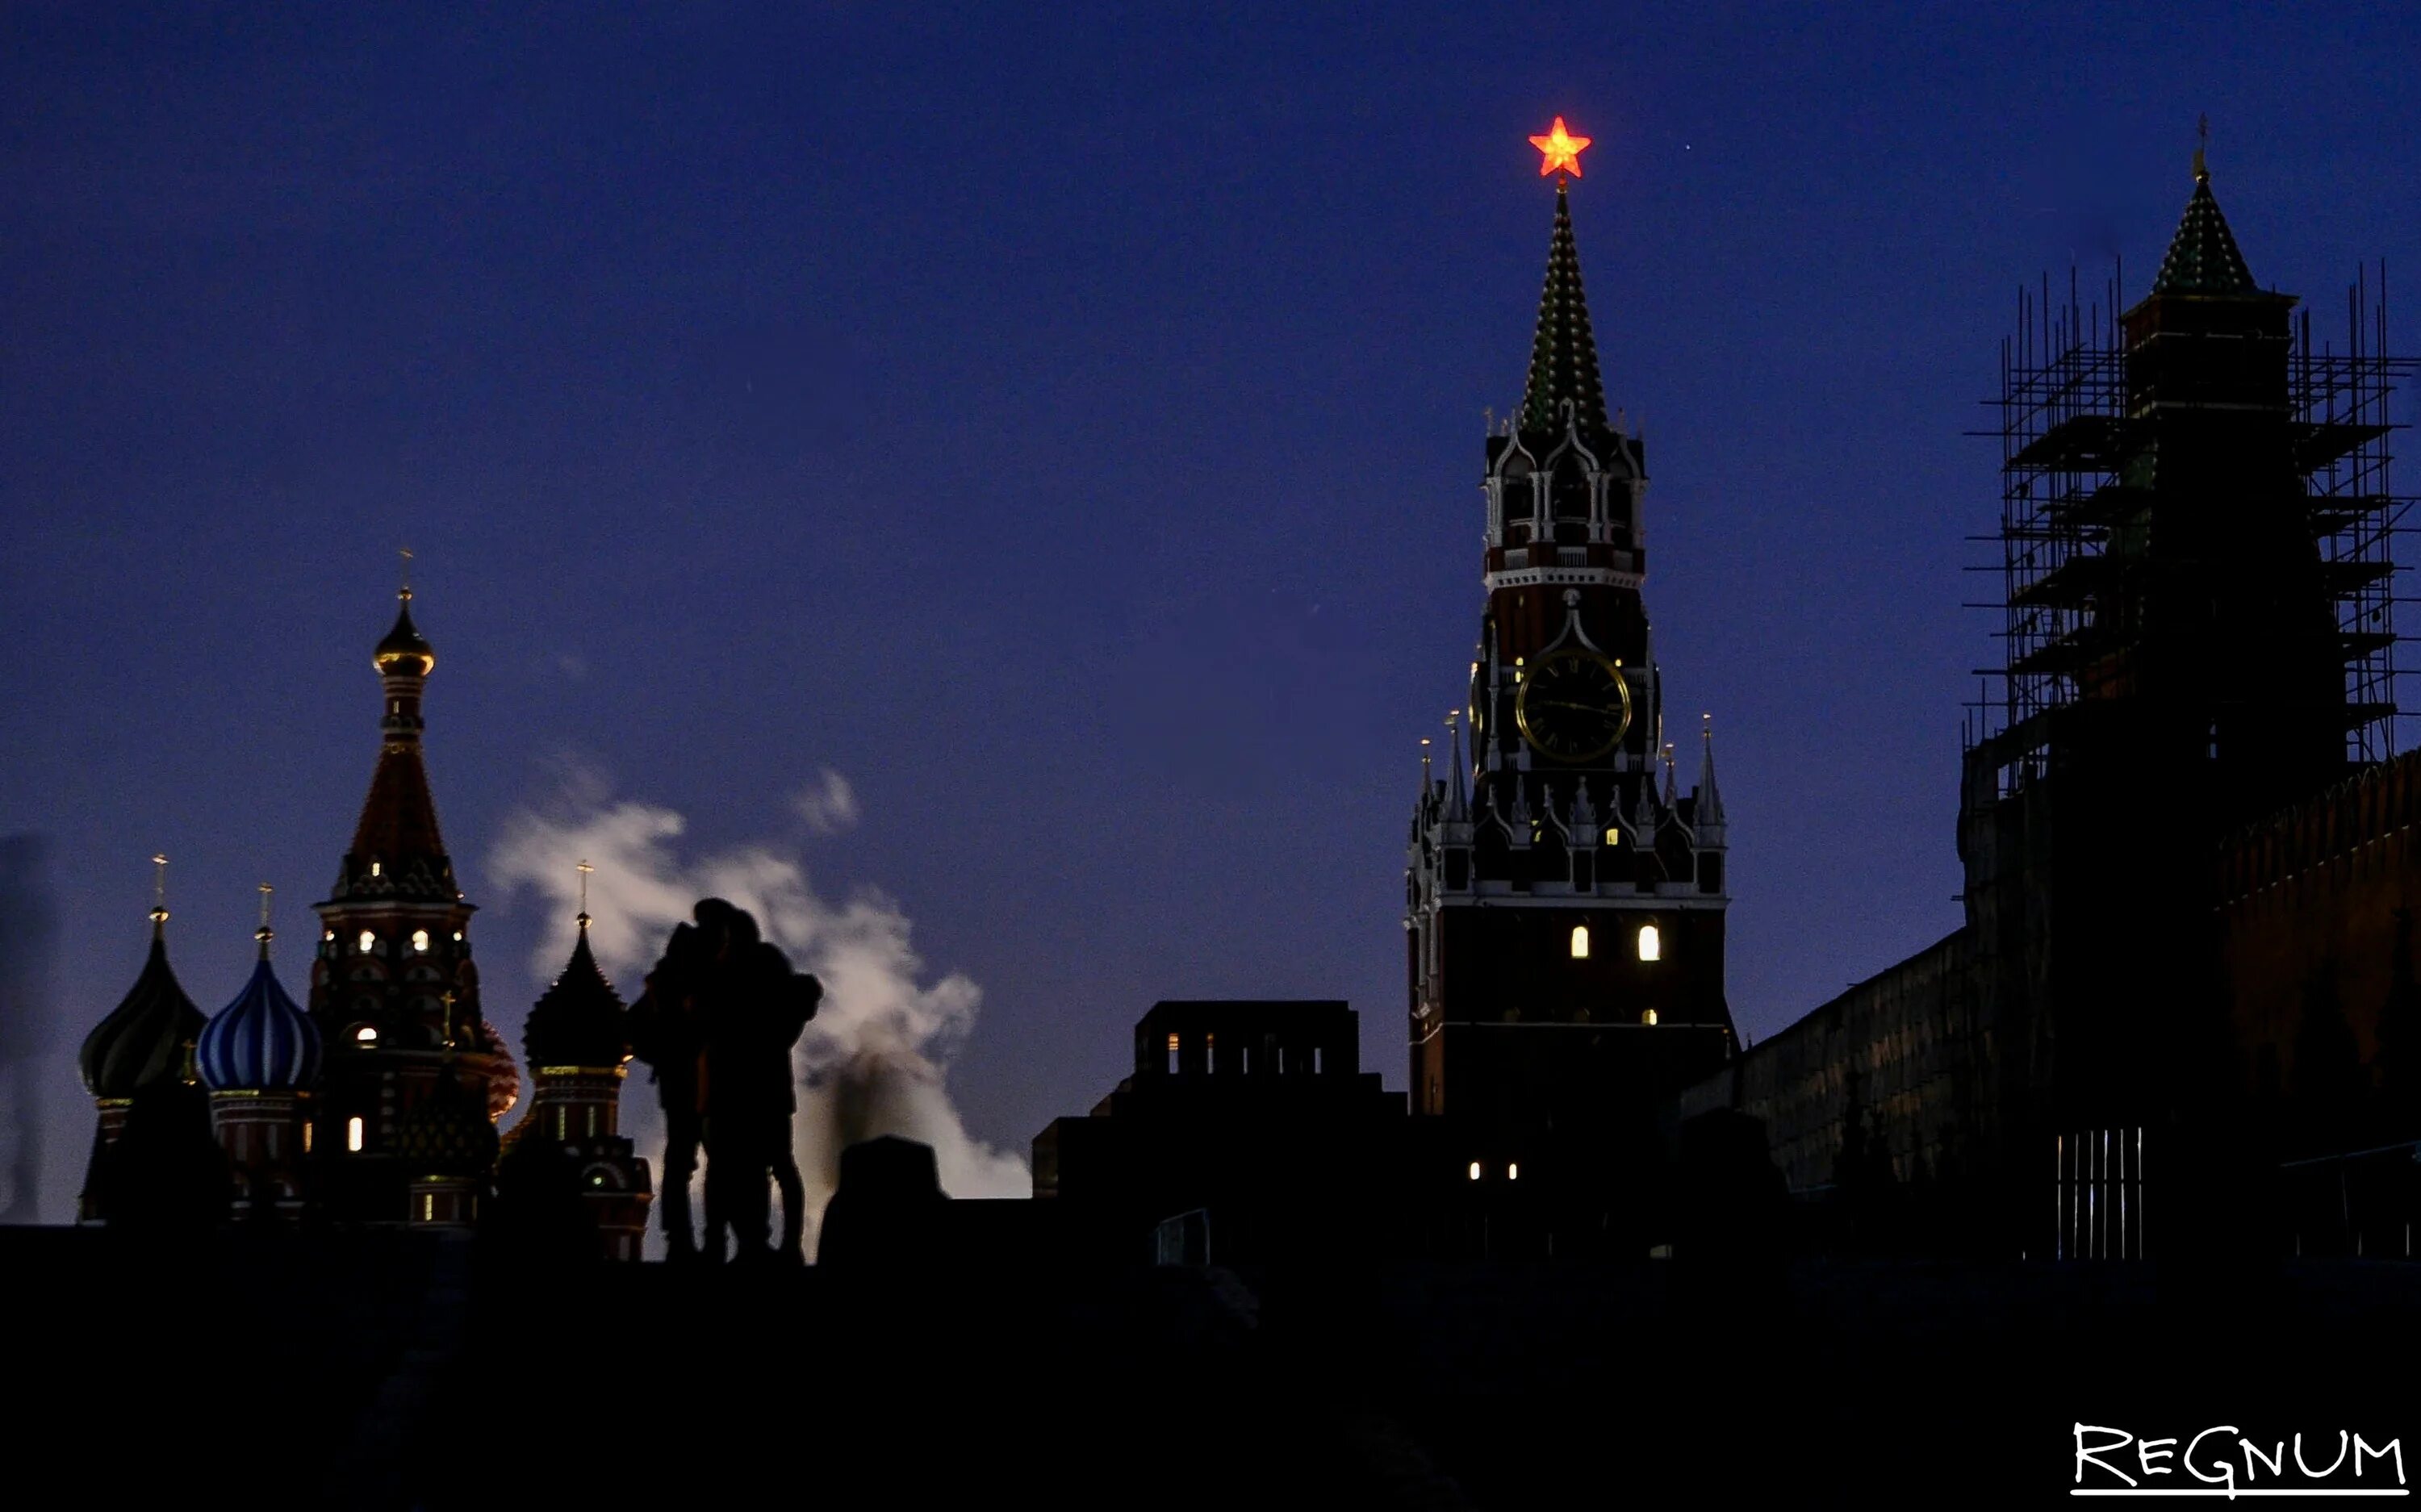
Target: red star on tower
(1561, 150)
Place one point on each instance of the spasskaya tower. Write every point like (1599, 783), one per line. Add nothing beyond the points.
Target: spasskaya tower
(1566, 897)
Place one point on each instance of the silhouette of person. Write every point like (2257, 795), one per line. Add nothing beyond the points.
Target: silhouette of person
(722, 1009)
(665, 1034)
(754, 1015)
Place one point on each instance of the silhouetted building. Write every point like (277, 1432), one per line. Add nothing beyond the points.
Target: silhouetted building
(142, 1052)
(394, 989)
(259, 1057)
(379, 1104)
(1256, 1116)
(2163, 876)
(566, 1161)
(1565, 916)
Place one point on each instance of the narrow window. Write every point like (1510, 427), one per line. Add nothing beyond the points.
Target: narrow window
(374, 868)
(307, 1138)
(1580, 941)
(1651, 944)
(592, 1120)
(1513, 1171)
(429, 1207)
(1613, 836)
(420, 940)
(354, 1135)
(1315, 1060)
(1171, 1054)
(366, 940)
(1210, 1052)
(562, 1121)
(1649, 1018)
(1474, 1170)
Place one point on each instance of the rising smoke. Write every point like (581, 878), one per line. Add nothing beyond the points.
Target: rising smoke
(873, 1060)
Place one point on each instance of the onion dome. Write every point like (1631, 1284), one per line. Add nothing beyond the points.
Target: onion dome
(260, 1042)
(144, 1041)
(580, 1020)
(448, 1132)
(504, 1077)
(404, 651)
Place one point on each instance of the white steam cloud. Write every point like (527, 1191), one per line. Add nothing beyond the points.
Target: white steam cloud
(829, 805)
(872, 1060)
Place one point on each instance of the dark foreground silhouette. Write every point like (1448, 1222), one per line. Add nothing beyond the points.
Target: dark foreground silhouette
(396, 1370)
(716, 1024)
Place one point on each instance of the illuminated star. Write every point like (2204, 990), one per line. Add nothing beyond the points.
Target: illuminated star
(1561, 148)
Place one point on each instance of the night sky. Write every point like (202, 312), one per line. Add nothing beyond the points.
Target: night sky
(1068, 433)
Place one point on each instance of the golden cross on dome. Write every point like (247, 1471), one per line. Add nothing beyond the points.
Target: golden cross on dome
(159, 886)
(585, 869)
(403, 588)
(1561, 151)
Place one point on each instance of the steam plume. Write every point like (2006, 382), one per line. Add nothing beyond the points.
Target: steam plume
(871, 1061)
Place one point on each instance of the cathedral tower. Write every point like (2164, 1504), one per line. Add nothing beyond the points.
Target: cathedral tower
(1565, 898)
(395, 991)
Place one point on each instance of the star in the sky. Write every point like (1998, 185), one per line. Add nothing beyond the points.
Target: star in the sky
(1561, 148)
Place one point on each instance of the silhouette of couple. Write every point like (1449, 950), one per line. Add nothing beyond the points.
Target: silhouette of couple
(721, 1011)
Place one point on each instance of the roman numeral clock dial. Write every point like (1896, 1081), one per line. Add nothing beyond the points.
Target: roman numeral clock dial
(1574, 706)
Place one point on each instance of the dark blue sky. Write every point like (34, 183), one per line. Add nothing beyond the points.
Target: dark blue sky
(1067, 430)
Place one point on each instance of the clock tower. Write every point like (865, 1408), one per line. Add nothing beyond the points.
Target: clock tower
(1565, 895)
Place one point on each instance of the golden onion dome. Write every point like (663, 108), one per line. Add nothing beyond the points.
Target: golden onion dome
(404, 651)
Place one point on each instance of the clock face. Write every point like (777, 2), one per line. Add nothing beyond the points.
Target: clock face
(1574, 705)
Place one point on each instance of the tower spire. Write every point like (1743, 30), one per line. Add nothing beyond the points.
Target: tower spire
(396, 849)
(2203, 259)
(1563, 351)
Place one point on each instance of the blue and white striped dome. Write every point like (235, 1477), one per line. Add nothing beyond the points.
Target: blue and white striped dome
(260, 1042)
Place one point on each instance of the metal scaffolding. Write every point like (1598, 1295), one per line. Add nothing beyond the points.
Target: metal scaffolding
(2066, 432)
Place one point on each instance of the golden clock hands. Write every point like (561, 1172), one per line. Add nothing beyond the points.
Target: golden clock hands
(1565, 703)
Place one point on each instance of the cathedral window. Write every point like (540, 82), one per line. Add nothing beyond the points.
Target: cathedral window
(1651, 942)
(353, 1135)
(1580, 941)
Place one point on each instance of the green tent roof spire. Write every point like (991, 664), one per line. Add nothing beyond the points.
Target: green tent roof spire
(2203, 259)
(1563, 354)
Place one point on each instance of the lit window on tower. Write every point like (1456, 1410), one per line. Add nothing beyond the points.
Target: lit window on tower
(1474, 1170)
(365, 1035)
(420, 940)
(1580, 941)
(353, 1135)
(1513, 1171)
(374, 868)
(1651, 944)
(1649, 1018)
(366, 940)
